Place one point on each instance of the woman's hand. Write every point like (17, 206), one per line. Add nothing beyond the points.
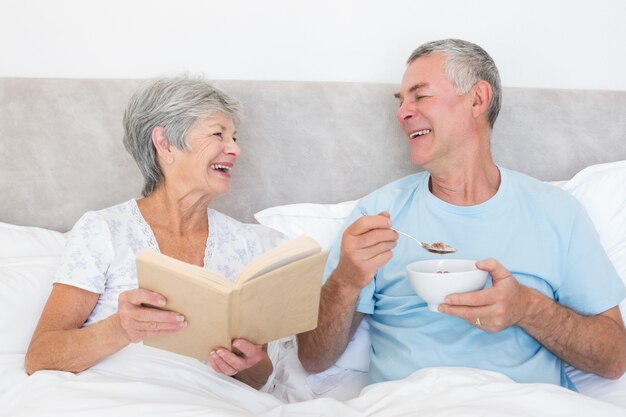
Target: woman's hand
(252, 366)
(139, 320)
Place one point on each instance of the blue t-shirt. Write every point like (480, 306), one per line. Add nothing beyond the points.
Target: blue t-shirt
(537, 231)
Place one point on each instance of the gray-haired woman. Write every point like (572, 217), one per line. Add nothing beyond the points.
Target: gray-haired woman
(182, 134)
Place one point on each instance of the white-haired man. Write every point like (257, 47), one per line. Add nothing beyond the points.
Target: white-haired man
(553, 295)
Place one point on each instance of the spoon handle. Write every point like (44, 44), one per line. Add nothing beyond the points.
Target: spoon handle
(407, 235)
(430, 248)
(363, 212)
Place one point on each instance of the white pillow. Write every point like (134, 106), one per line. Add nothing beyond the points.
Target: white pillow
(25, 284)
(321, 222)
(23, 241)
(602, 191)
(28, 259)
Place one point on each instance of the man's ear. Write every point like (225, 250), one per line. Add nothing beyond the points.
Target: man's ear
(164, 149)
(482, 94)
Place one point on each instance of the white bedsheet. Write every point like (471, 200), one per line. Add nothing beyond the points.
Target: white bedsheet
(144, 381)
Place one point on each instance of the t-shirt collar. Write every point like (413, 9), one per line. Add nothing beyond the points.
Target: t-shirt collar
(488, 205)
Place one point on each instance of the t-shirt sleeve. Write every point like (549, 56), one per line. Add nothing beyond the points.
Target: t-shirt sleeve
(591, 284)
(87, 255)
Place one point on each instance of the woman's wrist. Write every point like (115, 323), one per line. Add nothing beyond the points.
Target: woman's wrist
(257, 376)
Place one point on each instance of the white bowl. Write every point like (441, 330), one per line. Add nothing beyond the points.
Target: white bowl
(434, 279)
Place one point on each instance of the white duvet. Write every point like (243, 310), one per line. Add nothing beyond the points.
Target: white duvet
(144, 381)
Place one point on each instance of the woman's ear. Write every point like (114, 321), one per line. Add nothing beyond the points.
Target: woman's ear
(164, 149)
(482, 96)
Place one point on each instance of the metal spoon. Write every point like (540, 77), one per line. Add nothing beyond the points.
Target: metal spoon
(438, 247)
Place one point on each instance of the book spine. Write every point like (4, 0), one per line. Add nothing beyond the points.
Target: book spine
(234, 315)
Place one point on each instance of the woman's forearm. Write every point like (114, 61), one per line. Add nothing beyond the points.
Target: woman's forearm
(75, 350)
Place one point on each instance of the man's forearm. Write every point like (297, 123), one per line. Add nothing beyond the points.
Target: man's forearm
(592, 343)
(320, 348)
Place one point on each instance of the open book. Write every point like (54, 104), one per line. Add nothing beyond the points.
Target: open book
(276, 295)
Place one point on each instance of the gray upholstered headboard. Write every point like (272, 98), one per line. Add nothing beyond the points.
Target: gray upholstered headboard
(62, 152)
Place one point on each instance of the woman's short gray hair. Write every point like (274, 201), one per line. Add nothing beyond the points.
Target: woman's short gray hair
(174, 104)
(466, 64)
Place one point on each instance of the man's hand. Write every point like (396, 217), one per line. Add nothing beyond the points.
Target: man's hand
(492, 309)
(365, 247)
(594, 343)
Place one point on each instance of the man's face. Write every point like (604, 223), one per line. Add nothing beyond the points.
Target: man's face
(433, 116)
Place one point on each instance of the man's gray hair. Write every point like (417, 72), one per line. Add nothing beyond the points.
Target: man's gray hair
(466, 64)
(175, 104)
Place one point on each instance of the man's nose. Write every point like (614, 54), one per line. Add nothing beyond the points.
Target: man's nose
(405, 112)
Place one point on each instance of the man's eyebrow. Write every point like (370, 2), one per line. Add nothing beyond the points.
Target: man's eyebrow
(413, 89)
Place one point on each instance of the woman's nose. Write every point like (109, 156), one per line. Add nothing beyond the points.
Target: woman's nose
(232, 148)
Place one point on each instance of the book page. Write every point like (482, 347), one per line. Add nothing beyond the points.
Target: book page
(164, 265)
(282, 302)
(298, 248)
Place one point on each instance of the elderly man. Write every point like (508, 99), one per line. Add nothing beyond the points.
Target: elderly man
(554, 294)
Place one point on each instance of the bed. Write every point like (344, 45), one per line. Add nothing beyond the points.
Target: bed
(309, 151)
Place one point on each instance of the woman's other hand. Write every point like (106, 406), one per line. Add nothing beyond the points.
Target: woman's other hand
(251, 366)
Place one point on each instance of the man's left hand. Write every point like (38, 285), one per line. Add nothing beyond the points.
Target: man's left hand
(491, 309)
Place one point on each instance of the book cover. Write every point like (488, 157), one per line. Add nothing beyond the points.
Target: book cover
(276, 295)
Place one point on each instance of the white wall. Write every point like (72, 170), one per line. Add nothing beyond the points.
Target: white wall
(536, 43)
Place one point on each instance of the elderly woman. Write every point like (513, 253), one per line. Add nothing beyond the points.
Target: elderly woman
(182, 134)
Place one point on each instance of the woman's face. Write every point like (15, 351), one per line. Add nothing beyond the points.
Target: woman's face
(206, 168)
